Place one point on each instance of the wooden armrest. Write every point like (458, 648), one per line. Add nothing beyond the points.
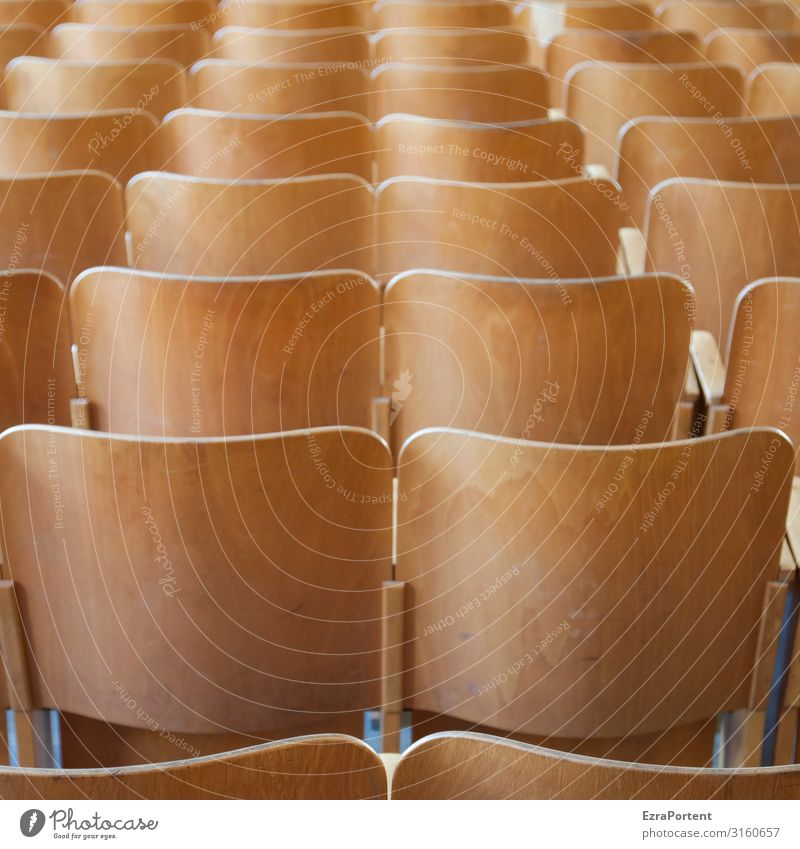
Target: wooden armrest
(596, 172)
(793, 521)
(555, 114)
(691, 388)
(708, 366)
(633, 249)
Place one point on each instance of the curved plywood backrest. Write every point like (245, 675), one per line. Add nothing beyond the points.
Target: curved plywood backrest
(650, 150)
(388, 14)
(61, 223)
(503, 46)
(333, 44)
(100, 43)
(303, 14)
(723, 236)
(232, 587)
(144, 13)
(577, 361)
(274, 89)
(749, 48)
(602, 97)
(116, 143)
(461, 765)
(20, 40)
(490, 94)
(586, 591)
(774, 89)
(41, 13)
(329, 766)
(53, 86)
(35, 364)
(209, 357)
(256, 147)
(566, 228)
(704, 16)
(190, 225)
(408, 145)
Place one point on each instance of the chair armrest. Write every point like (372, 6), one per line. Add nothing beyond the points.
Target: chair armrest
(555, 114)
(632, 250)
(708, 366)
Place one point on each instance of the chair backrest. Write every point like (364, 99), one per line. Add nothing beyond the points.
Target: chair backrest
(191, 225)
(53, 86)
(274, 89)
(333, 44)
(502, 46)
(722, 236)
(115, 142)
(41, 13)
(704, 16)
(99, 43)
(650, 150)
(420, 13)
(546, 19)
(328, 766)
(217, 144)
(567, 362)
(490, 94)
(35, 362)
(587, 592)
(62, 223)
(171, 356)
(774, 89)
(551, 229)
(144, 13)
(283, 14)
(20, 40)
(463, 765)
(749, 48)
(602, 97)
(204, 602)
(460, 150)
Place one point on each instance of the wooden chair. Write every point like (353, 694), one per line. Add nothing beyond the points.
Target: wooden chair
(333, 44)
(602, 97)
(39, 13)
(598, 361)
(650, 150)
(749, 48)
(774, 89)
(144, 13)
(62, 223)
(278, 89)
(501, 46)
(117, 143)
(486, 94)
(171, 356)
(461, 765)
(55, 86)
(579, 592)
(234, 146)
(327, 766)
(20, 40)
(407, 145)
(389, 14)
(98, 43)
(561, 229)
(233, 589)
(705, 16)
(284, 14)
(35, 361)
(191, 225)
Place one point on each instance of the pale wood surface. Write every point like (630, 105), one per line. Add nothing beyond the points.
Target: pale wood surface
(774, 89)
(20, 40)
(591, 361)
(304, 14)
(505, 46)
(704, 16)
(143, 13)
(600, 612)
(210, 357)
(418, 13)
(708, 366)
(749, 48)
(42, 13)
(332, 44)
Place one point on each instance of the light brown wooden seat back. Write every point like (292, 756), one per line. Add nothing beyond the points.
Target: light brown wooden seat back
(388, 14)
(722, 236)
(587, 592)
(749, 48)
(209, 357)
(575, 361)
(41, 13)
(193, 225)
(704, 16)
(651, 150)
(332, 44)
(229, 146)
(303, 14)
(503, 46)
(774, 89)
(459, 765)
(602, 97)
(144, 13)
(20, 40)
(62, 223)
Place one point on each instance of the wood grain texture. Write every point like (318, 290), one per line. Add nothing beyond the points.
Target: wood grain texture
(321, 767)
(302, 14)
(407, 145)
(650, 150)
(581, 361)
(42, 13)
(591, 592)
(602, 97)
(172, 356)
(705, 16)
(216, 144)
(103, 43)
(143, 13)
(729, 235)
(192, 225)
(20, 40)
(503, 46)
(749, 48)
(415, 13)
(180, 576)
(476, 766)
(53, 86)
(774, 89)
(332, 44)
(115, 142)
(61, 223)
